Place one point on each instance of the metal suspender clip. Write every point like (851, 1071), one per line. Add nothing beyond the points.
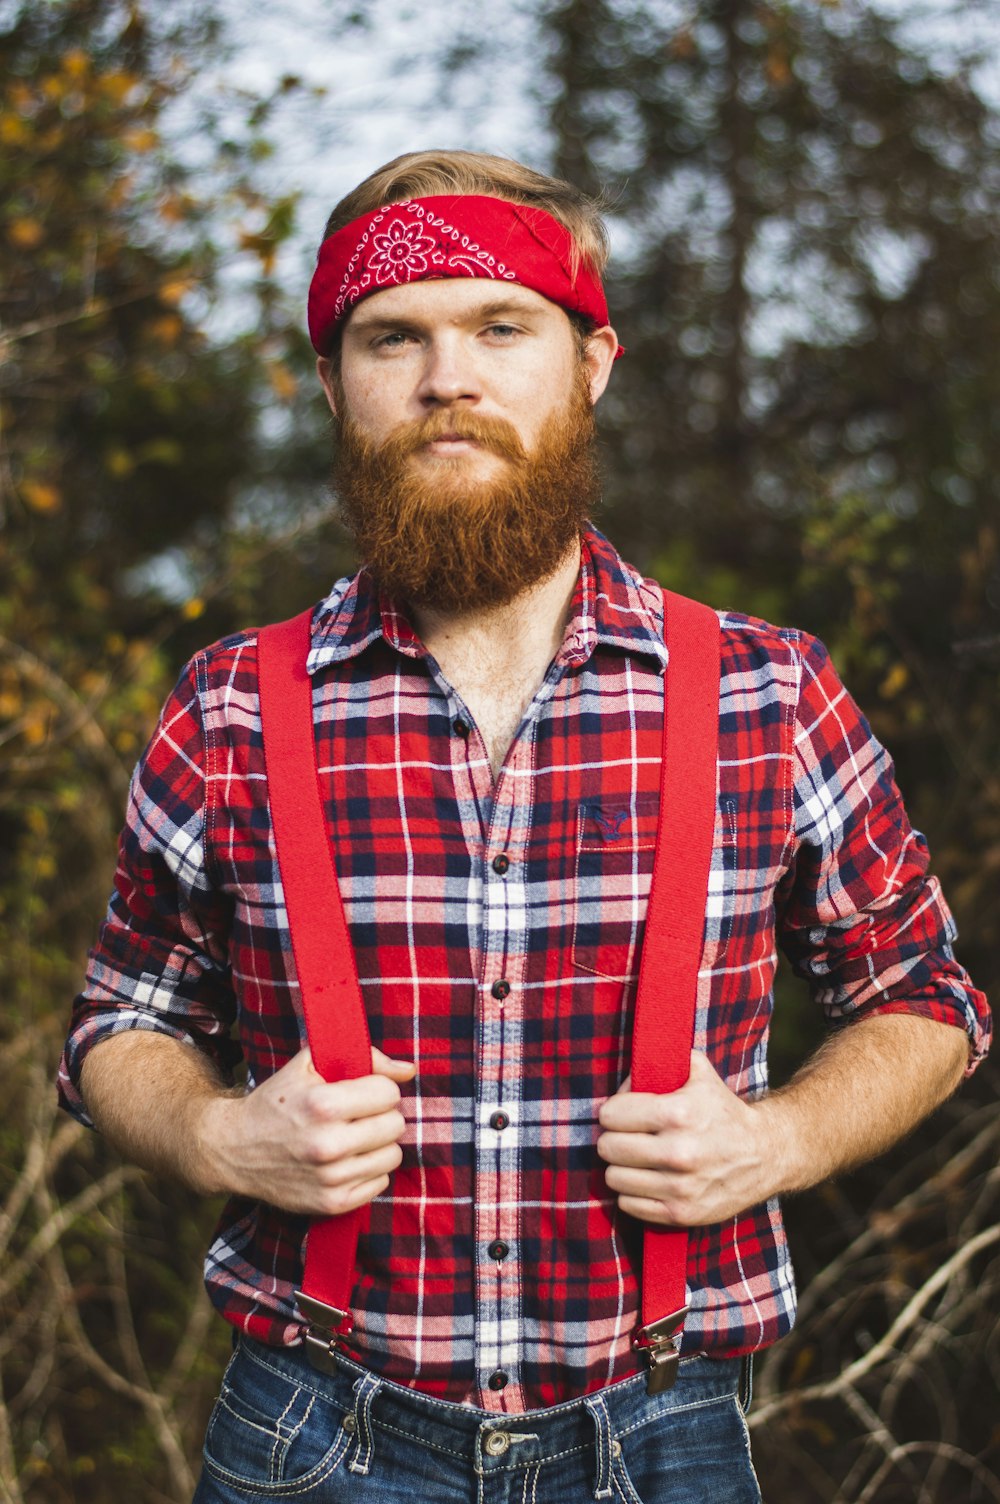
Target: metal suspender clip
(326, 1328)
(660, 1340)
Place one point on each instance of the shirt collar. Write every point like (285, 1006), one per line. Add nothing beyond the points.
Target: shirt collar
(612, 606)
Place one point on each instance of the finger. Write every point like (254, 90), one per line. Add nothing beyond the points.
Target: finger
(362, 1097)
(631, 1112)
(358, 1137)
(643, 1151)
(359, 1168)
(632, 1182)
(396, 1070)
(648, 1211)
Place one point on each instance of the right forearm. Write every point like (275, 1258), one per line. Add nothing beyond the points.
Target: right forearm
(296, 1141)
(149, 1094)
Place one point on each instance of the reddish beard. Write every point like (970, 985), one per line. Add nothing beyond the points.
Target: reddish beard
(433, 534)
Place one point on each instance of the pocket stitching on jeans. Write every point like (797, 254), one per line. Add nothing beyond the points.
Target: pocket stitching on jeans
(626, 1489)
(318, 1474)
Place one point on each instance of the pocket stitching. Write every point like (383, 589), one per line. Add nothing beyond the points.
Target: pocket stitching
(283, 1489)
(591, 848)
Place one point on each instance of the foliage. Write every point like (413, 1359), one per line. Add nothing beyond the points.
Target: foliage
(804, 205)
(805, 427)
(125, 430)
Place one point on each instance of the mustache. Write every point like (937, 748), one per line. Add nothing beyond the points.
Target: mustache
(495, 434)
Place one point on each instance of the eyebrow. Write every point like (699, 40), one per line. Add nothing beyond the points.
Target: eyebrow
(372, 322)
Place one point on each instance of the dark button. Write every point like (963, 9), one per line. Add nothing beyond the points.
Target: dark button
(501, 989)
(460, 728)
(499, 1121)
(498, 1380)
(498, 1250)
(500, 864)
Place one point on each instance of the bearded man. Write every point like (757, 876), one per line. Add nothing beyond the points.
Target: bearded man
(484, 717)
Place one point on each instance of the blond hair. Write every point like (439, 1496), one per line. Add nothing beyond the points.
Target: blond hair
(421, 174)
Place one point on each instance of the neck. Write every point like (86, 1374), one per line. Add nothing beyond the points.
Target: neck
(524, 631)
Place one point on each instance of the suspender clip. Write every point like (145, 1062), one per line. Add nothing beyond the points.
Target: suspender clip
(660, 1340)
(328, 1325)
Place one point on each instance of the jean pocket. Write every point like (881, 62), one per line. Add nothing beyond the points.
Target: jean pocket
(271, 1436)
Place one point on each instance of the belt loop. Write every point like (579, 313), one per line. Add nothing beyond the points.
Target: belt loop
(746, 1382)
(364, 1448)
(602, 1426)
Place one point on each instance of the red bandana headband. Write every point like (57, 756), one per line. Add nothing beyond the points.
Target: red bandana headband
(448, 235)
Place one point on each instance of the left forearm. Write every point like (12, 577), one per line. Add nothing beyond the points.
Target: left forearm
(863, 1090)
(702, 1154)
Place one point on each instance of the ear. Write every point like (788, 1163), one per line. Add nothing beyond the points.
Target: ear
(599, 356)
(325, 372)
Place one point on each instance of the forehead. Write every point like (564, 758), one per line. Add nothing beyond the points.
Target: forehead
(454, 299)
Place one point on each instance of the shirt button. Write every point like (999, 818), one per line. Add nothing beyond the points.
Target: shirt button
(498, 1250)
(498, 1380)
(501, 989)
(460, 728)
(499, 1121)
(500, 865)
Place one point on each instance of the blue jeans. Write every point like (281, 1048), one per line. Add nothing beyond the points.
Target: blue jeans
(281, 1430)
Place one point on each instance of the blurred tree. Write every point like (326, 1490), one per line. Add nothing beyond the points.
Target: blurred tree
(805, 203)
(127, 433)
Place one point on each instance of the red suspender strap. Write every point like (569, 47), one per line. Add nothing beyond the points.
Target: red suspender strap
(663, 1031)
(336, 1026)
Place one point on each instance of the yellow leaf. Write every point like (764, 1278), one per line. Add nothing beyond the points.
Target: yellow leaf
(119, 463)
(116, 85)
(175, 208)
(778, 71)
(25, 233)
(125, 741)
(10, 704)
(141, 139)
(174, 289)
(13, 131)
(284, 383)
(36, 729)
(76, 63)
(166, 330)
(193, 608)
(896, 679)
(36, 820)
(40, 496)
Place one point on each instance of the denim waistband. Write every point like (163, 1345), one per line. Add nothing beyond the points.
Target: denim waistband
(487, 1440)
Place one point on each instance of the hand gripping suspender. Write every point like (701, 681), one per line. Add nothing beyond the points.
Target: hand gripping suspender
(336, 1025)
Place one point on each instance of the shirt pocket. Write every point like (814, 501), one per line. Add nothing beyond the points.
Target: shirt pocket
(616, 846)
(616, 842)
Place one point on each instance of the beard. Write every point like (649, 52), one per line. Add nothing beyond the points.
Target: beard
(435, 535)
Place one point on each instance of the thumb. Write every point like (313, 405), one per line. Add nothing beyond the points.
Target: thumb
(396, 1070)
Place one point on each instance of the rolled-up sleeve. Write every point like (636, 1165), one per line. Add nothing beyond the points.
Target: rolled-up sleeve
(161, 961)
(861, 919)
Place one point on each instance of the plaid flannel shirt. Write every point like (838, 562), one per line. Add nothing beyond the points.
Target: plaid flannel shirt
(497, 930)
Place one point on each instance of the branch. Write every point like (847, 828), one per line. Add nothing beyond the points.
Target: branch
(886, 1346)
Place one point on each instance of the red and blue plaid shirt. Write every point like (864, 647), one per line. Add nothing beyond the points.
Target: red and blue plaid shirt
(497, 929)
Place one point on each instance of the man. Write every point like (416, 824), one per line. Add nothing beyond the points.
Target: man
(488, 698)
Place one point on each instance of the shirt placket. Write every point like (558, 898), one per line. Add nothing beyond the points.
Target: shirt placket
(501, 1127)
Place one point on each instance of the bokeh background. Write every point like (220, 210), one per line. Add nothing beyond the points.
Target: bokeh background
(804, 200)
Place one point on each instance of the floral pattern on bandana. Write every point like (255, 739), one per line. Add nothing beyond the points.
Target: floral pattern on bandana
(400, 253)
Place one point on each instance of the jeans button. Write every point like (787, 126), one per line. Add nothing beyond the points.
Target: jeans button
(496, 1443)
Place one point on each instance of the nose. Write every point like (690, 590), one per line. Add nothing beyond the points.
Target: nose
(449, 373)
